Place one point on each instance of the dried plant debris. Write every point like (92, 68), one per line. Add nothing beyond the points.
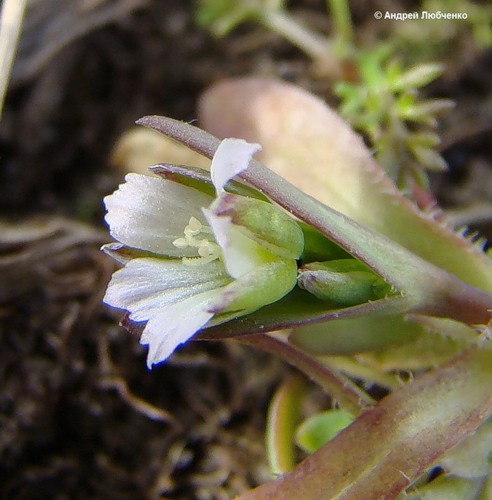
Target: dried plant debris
(64, 115)
(50, 254)
(80, 413)
(54, 24)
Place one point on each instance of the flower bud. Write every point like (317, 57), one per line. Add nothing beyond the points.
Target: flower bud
(346, 282)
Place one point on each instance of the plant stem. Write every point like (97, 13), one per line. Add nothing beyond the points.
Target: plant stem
(357, 370)
(342, 22)
(339, 387)
(315, 46)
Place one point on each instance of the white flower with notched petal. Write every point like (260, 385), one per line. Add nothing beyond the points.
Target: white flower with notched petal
(186, 264)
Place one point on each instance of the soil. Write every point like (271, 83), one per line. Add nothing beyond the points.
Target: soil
(80, 414)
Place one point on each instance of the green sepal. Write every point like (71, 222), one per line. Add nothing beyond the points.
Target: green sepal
(123, 254)
(300, 308)
(264, 223)
(199, 179)
(264, 285)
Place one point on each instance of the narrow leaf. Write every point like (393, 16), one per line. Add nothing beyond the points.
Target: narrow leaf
(283, 413)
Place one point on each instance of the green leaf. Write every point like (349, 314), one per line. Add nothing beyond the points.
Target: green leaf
(426, 111)
(420, 351)
(283, 413)
(418, 76)
(318, 429)
(430, 159)
(356, 335)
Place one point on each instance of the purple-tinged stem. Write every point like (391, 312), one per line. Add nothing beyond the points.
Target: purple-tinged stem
(339, 387)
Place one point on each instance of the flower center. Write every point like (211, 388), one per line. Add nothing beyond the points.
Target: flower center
(193, 238)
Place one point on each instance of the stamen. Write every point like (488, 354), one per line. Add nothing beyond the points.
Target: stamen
(180, 243)
(207, 250)
(194, 227)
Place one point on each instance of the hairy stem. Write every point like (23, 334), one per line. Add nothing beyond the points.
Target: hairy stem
(389, 446)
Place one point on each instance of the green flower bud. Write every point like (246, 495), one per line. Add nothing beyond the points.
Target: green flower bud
(346, 282)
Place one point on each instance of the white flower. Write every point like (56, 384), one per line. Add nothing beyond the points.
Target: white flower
(186, 263)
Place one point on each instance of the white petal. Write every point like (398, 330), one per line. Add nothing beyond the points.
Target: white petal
(147, 286)
(240, 254)
(149, 213)
(175, 325)
(220, 226)
(231, 158)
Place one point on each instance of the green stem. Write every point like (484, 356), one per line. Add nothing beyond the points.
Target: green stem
(342, 21)
(315, 46)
